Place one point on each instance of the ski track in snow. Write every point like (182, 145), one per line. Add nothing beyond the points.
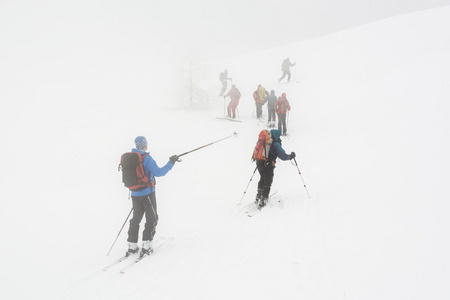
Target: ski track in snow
(284, 248)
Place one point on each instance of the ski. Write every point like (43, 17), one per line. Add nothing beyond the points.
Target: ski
(160, 242)
(229, 119)
(118, 261)
(126, 256)
(255, 208)
(135, 262)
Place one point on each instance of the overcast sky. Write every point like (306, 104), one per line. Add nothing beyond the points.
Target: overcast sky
(51, 29)
(246, 25)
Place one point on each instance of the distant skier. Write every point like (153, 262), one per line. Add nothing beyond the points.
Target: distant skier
(282, 106)
(144, 199)
(259, 96)
(271, 100)
(223, 77)
(266, 168)
(286, 68)
(234, 95)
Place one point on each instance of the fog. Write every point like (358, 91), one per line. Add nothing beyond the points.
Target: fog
(138, 29)
(78, 81)
(131, 49)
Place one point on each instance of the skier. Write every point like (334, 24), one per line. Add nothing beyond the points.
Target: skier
(234, 95)
(271, 100)
(282, 106)
(259, 96)
(266, 168)
(223, 77)
(144, 201)
(286, 68)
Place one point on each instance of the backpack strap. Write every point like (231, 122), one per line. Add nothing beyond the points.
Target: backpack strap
(148, 171)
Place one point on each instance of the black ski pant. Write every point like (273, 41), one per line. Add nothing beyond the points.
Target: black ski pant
(271, 115)
(282, 123)
(265, 169)
(143, 205)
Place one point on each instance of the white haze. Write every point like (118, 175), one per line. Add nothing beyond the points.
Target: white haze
(369, 125)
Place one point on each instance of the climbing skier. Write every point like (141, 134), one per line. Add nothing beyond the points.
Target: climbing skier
(286, 68)
(234, 95)
(282, 106)
(271, 100)
(259, 96)
(266, 167)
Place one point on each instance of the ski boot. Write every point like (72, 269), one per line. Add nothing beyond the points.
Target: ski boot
(258, 196)
(147, 248)
(262, 202)
(132, 248)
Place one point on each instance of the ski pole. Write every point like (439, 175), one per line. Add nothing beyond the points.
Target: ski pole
(296, 72)
(251, 178)
(287, 122)
(120, 231)
(309, 197)
(234, 134)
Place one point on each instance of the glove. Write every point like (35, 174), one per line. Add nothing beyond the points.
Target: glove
(292, 155)
(174, 158)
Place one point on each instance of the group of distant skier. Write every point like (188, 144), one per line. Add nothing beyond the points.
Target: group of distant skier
(139, 169)
(276, 106)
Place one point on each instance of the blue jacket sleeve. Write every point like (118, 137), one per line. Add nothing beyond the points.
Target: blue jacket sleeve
(150, 165)
(281, 154)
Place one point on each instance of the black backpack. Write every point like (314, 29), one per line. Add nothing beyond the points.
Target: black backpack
(133, 172)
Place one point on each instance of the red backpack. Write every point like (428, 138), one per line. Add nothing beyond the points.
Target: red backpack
(262, 148)
(133, 173)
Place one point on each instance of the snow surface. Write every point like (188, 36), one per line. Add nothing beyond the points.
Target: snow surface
(369, 123)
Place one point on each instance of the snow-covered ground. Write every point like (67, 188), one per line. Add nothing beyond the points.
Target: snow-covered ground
(369, 124)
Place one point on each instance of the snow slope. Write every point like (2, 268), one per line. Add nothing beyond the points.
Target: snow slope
(369, 124)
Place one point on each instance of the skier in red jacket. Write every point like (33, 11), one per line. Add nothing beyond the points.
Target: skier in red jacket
(234, 95)
(282, 106)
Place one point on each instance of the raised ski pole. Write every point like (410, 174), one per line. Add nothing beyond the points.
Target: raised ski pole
(224, 107)
(234, 134)
(251, 178)
(120, 231)
(309, 197)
